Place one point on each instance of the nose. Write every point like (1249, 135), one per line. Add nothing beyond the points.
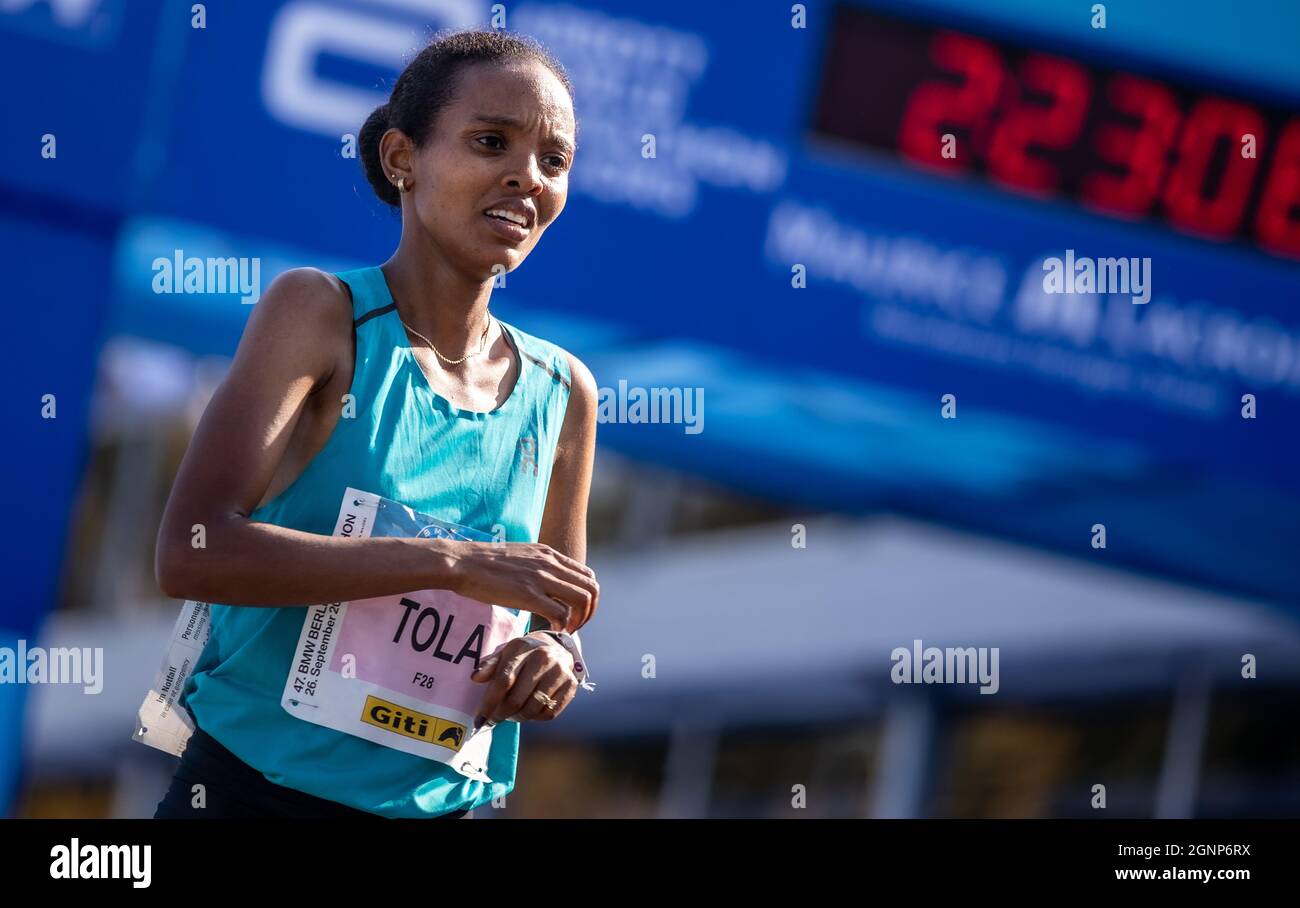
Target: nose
(526, 174)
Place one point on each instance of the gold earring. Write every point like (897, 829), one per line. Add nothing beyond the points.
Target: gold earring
(401, 185)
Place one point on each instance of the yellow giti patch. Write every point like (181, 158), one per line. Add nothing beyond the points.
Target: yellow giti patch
(412, 724)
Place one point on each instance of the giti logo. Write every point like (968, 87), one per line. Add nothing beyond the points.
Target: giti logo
(403, 721)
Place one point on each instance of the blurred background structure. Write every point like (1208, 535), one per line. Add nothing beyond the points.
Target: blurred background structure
(737, 670)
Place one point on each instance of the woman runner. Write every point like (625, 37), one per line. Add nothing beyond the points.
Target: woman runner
(396, 380)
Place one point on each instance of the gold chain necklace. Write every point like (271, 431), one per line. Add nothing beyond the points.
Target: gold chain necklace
(451, 362)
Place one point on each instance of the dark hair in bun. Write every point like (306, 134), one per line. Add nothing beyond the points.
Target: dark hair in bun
(429, 83)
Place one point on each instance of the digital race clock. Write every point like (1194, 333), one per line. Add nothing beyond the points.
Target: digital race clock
(1052, 126)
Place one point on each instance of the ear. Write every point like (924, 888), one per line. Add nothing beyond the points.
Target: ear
(396, 152)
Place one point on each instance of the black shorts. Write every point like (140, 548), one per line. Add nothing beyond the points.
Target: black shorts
(233, 789)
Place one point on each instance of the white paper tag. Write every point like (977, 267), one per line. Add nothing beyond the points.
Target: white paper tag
(161, 722)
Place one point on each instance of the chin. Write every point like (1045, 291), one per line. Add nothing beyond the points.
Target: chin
(511, 260)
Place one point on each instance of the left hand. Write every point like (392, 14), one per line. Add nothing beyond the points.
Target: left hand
(519, 667)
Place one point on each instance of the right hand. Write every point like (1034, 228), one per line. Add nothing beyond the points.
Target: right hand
(527, 575)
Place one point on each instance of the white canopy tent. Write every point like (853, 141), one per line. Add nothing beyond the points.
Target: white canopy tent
(747, 623)
(742, 627)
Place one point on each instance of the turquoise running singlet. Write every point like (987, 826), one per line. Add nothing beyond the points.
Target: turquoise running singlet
(407, 443)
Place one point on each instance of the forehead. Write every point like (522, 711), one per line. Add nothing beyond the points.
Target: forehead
(523, 90)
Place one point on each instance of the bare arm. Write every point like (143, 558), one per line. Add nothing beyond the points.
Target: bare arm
(296, 335)
(538, 663)
(564, 522)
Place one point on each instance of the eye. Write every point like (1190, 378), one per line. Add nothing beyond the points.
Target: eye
(558, 161)
(495, 138)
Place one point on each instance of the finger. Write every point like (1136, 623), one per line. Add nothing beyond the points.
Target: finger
(530, 706)
(487, 665)
(580, 613)
(515, 699)
(554, 611)
(593, 603)
(502, 677)
(575, 595)
(537, 673)
(563, 696)
(570, 570)
(522, 670)
(520, 701)
(591, 612)
(584, 608)
(486, 669)
(560, 690)
(559, 620)
(492, 657)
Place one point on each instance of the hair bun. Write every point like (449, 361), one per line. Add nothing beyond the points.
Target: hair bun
(371, 132)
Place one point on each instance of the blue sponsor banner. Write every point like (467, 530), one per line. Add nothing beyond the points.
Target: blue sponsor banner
(56, 278)
(54, 338)
(912, 279)
(80, 80)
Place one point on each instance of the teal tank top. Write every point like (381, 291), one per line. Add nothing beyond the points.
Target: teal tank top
(407, 443)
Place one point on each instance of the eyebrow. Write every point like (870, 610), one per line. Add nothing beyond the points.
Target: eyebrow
(513, 123)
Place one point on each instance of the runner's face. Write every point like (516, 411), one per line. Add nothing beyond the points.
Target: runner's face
(505, 142)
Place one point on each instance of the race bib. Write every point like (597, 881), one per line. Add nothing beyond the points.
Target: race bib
(396, 670)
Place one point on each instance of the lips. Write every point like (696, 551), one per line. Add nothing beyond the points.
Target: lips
(507, 229)
(513, 217)
(515, 210)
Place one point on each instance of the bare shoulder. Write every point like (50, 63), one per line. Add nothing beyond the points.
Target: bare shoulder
(311, 292)
(302, 324)
(583, 383)
(578, 432)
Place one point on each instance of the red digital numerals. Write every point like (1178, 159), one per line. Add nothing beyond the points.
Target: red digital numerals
(1150, 153)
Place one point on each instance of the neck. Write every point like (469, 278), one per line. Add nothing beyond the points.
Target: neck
(446, 306)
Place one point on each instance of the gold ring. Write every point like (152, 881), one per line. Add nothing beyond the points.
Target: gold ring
(547, 701)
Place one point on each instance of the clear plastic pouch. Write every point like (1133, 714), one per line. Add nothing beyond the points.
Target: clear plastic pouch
(396, 670)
